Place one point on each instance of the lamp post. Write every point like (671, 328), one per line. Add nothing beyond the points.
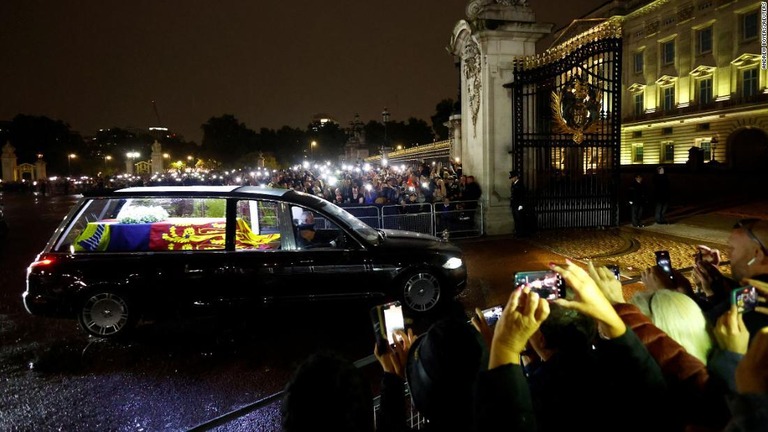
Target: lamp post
(312, 150)
(129, 163)
(107, 158)
(69, 163)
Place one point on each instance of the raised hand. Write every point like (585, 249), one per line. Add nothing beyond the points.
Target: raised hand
(521, 317)
(607, 282)
(590, 300)
(393, 361)
(730, 332)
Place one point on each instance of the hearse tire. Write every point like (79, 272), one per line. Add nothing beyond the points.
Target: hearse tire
(106, 314)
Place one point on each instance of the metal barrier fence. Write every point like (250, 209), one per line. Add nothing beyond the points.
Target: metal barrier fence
(459, 219)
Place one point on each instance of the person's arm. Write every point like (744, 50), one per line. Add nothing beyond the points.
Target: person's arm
(636, 375)
(732, 338)
(392, 414)
(502, 397)
(749, 407)
(503, 400)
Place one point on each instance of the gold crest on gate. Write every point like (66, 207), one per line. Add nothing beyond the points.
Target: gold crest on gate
(577, 108)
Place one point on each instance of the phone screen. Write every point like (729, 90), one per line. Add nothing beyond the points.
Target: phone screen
(393, 320)
(492, 314)
(615, 269)
(549, 284)
(745, 298)
(386, 319)
(663, 261)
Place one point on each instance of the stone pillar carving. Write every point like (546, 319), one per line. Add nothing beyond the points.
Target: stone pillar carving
(495, 33)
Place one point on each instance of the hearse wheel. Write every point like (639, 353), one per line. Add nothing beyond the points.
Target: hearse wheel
(421, 291)
(106, 314)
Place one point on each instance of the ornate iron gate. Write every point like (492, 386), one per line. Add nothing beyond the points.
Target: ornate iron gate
(567, 121)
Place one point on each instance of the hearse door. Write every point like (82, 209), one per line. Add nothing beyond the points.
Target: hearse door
(332, 266)
(259, 262)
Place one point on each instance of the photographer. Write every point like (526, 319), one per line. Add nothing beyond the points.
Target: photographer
(749, 260)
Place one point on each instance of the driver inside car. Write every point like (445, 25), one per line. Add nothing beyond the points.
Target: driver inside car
(306, 229)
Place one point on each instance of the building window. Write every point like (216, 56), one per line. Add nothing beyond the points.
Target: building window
(704, 41)
(749, 83)
(749, 26)
(639, 62)
(668, 151)
(666, 131)
(637, 152)
(705, 91)
(668, 98)
(668, 53)
(639, 106)
(706, 147)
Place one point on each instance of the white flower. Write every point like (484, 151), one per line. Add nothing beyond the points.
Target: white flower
(137, 215)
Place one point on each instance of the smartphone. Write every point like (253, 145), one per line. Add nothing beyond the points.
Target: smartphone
(549, 284)
(745, 298)
(615, 269)
(386, 319)
(492, 314)
(663, 261)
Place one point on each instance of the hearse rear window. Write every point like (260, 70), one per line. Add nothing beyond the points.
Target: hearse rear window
(147, 224)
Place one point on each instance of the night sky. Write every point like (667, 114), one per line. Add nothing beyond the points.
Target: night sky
(97, 64)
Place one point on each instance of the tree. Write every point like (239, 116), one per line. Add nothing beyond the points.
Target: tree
(225, 139)
(39, 135)
(443, 111)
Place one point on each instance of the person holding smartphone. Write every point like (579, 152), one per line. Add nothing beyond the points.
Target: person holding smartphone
(696, 383)
(440, 368)
(748, 255)
(619, 372)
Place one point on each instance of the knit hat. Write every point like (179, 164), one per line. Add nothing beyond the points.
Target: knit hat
(442, 367)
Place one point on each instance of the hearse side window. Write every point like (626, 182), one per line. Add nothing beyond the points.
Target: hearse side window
(324, 234)
(152, 224)
(258, 226)
(92, 211)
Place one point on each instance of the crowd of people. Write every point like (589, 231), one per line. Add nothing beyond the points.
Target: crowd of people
(677, 355)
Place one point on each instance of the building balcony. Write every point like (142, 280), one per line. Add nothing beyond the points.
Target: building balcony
(731, 104)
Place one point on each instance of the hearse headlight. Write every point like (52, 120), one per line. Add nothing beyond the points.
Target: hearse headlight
(453, 263)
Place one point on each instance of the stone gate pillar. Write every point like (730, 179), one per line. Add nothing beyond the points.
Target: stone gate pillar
(487, 42)
(8, 163)
(157, 158)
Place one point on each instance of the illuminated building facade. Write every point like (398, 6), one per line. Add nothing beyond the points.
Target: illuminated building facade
(694, 84)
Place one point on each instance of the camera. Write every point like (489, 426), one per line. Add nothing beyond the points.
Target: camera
(548, 284)
(386, 319)
(663, 261)
(745, 298)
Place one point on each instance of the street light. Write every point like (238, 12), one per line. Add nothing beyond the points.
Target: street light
(69, 163)
(129, 164)
(106, 159)
(312, 150)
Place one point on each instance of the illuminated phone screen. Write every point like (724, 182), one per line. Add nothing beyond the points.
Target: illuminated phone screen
(549, 284)
(393, 320)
